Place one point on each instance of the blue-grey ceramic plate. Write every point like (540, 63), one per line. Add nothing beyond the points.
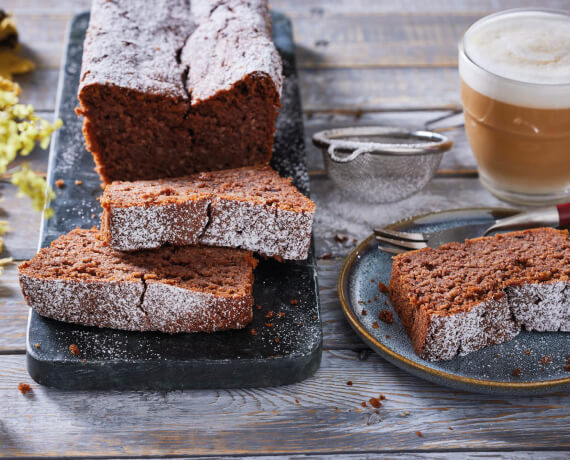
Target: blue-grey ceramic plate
(489, 370)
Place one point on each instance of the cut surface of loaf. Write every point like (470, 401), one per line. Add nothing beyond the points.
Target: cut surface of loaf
(79, 279)
(172, 87)
(465, 296)
(250, 208)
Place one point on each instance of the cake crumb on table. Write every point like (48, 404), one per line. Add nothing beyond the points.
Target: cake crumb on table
(375, 325)
(259, 307)
(253, 331)
(349, 383)
(567, 367)
(341, 238)
(268, 324)
(527, 352)
(364, 313)
(281, 314)
(37, 345)
(327, 256)
(375, 402)
(24, 388)
(78, 182)
(294, 302)
(387, 336)
(276, 340)
(387, 316)
(419, 433)
(363, 403)
(74, 349)
(59, 183)
(269, 314)
(516, 372)
(545, 360)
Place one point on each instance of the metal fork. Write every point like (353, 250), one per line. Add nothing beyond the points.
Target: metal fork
(550, 216)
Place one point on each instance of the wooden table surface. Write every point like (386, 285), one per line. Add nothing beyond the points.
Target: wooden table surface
(360, 62)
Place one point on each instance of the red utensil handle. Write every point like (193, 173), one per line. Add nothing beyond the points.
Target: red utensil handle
(563, 214)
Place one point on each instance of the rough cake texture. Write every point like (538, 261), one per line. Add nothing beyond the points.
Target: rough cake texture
(250, 208)
(465, 296)
(79, 279)
(173, 87)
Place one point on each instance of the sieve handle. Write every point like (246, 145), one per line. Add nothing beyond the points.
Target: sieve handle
(334, 157)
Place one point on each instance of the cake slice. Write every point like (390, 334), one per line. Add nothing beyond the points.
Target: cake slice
(174, 87)
(78, 279)
(465, 296)
(249, 208)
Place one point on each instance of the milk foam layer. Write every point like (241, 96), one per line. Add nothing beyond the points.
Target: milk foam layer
(519, 57)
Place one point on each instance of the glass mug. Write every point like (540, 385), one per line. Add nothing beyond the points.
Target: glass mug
(514, 70)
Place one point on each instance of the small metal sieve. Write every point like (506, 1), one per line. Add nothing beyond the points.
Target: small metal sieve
(380, 163)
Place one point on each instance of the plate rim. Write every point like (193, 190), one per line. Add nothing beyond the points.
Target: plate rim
(397, 358)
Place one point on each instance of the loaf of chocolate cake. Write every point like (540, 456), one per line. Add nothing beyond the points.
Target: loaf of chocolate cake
(173, 87)
(465, 296)
(79, 279)
(250, 208)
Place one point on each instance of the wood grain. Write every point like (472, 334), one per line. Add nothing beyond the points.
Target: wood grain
(328, 417)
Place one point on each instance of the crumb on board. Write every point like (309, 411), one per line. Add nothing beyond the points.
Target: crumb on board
(294, 302)
(516, 372)
(269, 314)
(372, 280)
(369, 301)
(567, 367)
(375, 325)
(387, 336)
(59, 183)
(78, 182)
(327, 256)
(545, 360)
(527, 352)
(419, 433)
(74, 349)
(253, 331)
(268, 324)
(276, 339)
(364, 313)
(387, 316)
(24, 388)
(281, 314)
(383, 288)
(381, 397)
(349, 383)
(363, 403)
(296, 401)
(450, 428)
(259, 307)
(83, 360)
(315, 316)
(375, 298)
(375, 402)
(37, 345)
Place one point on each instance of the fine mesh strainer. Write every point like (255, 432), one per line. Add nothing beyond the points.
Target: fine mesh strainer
(381, 164)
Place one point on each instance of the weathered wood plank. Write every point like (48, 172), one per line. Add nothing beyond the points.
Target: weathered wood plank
(322, 414)
(380, 89)
(316, 7)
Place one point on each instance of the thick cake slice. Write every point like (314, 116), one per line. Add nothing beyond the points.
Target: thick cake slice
(249, 208)
(79, 279)
(174, 87)
(465, 296)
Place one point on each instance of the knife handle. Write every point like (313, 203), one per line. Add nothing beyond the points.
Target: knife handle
(563, 214)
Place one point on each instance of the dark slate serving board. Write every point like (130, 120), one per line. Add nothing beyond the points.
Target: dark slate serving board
(112, 359)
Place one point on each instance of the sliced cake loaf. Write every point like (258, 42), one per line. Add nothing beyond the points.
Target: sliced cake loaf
(79, 279)
(249, 208)
(465, 296)
(174, 87)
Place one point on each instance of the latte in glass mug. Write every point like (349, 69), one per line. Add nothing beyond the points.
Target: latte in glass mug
(514, 70)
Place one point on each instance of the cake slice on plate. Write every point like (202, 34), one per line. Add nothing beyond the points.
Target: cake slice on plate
(79, 279)
(249, 208)
(464, 296)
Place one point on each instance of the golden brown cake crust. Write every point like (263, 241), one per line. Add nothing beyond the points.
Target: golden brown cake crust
(464, 296)
(79, 279)
(250, 208)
